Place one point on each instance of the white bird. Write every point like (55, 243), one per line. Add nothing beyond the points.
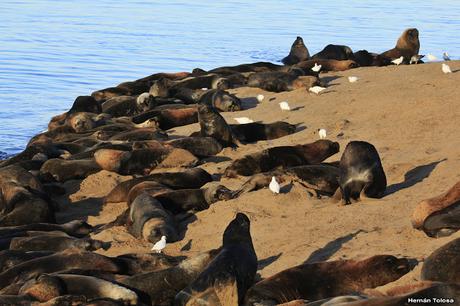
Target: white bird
(260, 98)
(398, 61)
(316, 68)
(284, 106)
(415, 59)
(431, 57)
(446, 68)
(274, 186)
(445, 56)
(160, 245)
(243, 120)
(316, 89)
(204, 88)
(322, 133)
(352, 79)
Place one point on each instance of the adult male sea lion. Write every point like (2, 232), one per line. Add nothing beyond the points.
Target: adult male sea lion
(298, 53)
(335, 52)
(407, 46)
(231, 272)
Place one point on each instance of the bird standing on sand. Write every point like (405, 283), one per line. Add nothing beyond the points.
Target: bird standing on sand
(316, 89)
(284, 106)
(160, 245)
(445, 56)
(352, 79)
(322, 133)
(446, 68)
(274, 186)
(415, 59)
(243, 120)
(260, 98)
(398, 61)
(316, 68)
(431, 57)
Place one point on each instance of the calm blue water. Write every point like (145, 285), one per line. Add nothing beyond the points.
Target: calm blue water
(54, 50)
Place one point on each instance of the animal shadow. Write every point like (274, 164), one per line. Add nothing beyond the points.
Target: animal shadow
(183, 221)
(300, 127)
(268, 261)
(248, 103)
(297, 108)
(413, 177)
(187, 246)
(330, 248)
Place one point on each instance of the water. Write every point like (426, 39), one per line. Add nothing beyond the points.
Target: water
(51, 51)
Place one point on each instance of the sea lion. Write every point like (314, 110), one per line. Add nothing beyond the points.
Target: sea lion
(326, 65)
(191, 178)
(364, 58)
(361, 172)
(283, 157)
(443, 264)
(221, 100)
(193, 200)
(253, 67)
(213, 125)
(425, 208)
(321, 280)
(298, 53)
(61, 170)
(149, 187)
(169, 118)
(163, 285)
(443, 222)
(75, 228)
(407, 46)
(198, 146)
(335, 52)
(11, 258)
(56, 243)
(140, 134)
(253, 132)
(83, 121)
(278, 81)
(149, 220)
(233, 269)
(85, 104)
(147, 262)
(128, 105)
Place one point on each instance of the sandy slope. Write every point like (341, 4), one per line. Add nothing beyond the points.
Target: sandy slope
(410, 113)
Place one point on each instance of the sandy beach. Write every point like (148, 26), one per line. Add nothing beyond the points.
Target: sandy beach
(409, 113)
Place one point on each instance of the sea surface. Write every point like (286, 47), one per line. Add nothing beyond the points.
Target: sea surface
(52, 51)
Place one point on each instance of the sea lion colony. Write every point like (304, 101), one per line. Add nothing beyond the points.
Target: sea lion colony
(124, 129)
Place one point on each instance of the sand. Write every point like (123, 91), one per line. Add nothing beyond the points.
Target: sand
(409, 113)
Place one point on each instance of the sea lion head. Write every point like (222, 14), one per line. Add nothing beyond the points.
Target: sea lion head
(385, 269)
(299, 50)
(216, 192)
(225, 101)
(220, 83)
(160, 88)
(409, 41)
(144, 101)
(238, 231)
(78, 228)
(93, 245)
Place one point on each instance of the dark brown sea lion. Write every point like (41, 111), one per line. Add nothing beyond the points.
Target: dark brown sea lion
(253, 67)
(298, 53)
(361, 172)
(283, 157)
(326, 65)
(62, 170)
(10, 258)
(198, 146)
(75, 228)
(169, 118)
(335, 52)
(191, 178)
(252, 132)
(213, 125)
(149, 187)
(282, 81)
(443, 222)
(147, 262)
(221, 100)
(426, 208)
(407, 46)
(85, 104)
(128, 105)
(233, 269)
(55, 243)
(163, 285)
(364, 58)
(443, 264)
(140, 134)
(328, 279)
(83, 121)
(149, 220)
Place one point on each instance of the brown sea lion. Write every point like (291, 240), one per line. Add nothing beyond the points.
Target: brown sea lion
(407, 46)
(252, 132)
(443, 264)
(213, 125)
(278, 81)
(147, 262)
(198, 146)
(191, 178)
(128, 105)
(253, 67)
(55, 243)
(170, 118)
(61, 170)
(221, 100)
(364, 58)
(326, 65)
(361, 172)
(140, 134)
(298, 53)
(149, 187)
(328, 279)
(11, 258)
(75, 228)
(443, 222)
(231, 272)
(85, 104)
(83, 121)
(283, 157)
(335, 52)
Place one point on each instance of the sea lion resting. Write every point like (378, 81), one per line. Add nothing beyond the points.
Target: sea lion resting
(443, 265)
(212, 124)
(255, 131)
(278, 81)
(298, 53)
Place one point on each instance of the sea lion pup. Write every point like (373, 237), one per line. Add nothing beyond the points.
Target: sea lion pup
(221, 100)
(48, 241)
(426, 208)
(198, 146)
(11, 258)
(61, 170)
(361, 172)
(407, 46)
(149, 220)
(66, 260)
(47, 286)
(169, 118)
(335, 52)
(128, 105)
(253, 132)
(282, 157)
(193, 200)
(75, 228)
(140, 134)
(213, 125)
(364, 58)
(191, 178)
(443, 264)
(321, 280)
(163, 285)
(235, 265)
(278, 81)
(326, 65)
(298, 53)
